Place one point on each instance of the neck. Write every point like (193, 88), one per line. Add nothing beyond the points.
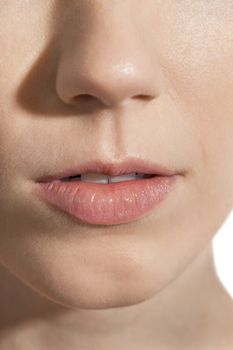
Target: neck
(185, 311)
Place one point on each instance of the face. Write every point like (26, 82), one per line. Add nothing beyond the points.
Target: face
(179, 55)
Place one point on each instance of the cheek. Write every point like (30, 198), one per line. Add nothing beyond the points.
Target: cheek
(198, 66)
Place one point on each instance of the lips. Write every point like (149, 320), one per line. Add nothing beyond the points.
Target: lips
(112, 203)
(127, 166)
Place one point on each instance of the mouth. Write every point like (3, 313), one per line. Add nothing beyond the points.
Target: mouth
(106, 179)
(108, 194)
(108, 172)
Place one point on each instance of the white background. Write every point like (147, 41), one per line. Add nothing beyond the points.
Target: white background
(223, 254)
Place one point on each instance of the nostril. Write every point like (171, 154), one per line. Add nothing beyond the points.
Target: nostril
(144, 97)
(84, 97)
(86, 100)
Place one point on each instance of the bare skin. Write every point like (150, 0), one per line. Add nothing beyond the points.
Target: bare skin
(195, 312)
(158, 84)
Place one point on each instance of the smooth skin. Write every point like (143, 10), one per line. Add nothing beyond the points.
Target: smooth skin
(107, 79)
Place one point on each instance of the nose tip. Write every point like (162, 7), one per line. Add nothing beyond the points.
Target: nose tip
(112, 84)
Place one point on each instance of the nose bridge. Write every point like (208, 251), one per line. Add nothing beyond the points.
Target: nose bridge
(107, 61)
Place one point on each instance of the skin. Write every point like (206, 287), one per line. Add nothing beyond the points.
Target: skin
(158, 83)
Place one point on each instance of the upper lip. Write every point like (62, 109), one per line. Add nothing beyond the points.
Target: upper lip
(126, 166)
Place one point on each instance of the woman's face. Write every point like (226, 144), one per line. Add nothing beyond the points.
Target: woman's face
(177, 53)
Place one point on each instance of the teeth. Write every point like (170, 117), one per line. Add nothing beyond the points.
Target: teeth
(126, 177)
(97, 178)
(104, 179)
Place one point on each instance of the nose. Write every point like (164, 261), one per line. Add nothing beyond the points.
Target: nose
(111, 65)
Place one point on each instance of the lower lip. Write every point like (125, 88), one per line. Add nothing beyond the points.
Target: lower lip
(107, 204)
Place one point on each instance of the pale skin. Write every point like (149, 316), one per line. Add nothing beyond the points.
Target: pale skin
(158, 83)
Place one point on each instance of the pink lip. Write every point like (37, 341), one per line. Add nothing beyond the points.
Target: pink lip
(107, 204)
(129, 165)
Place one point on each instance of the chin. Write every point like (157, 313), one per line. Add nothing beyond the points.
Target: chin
(94, 288)
(95, 295)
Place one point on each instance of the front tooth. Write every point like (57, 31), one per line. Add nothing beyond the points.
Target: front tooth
(104, 179)
(96, 178)
(119, 178)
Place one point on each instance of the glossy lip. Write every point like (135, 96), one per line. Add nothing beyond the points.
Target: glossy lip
(128, 165)
(107, 204)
